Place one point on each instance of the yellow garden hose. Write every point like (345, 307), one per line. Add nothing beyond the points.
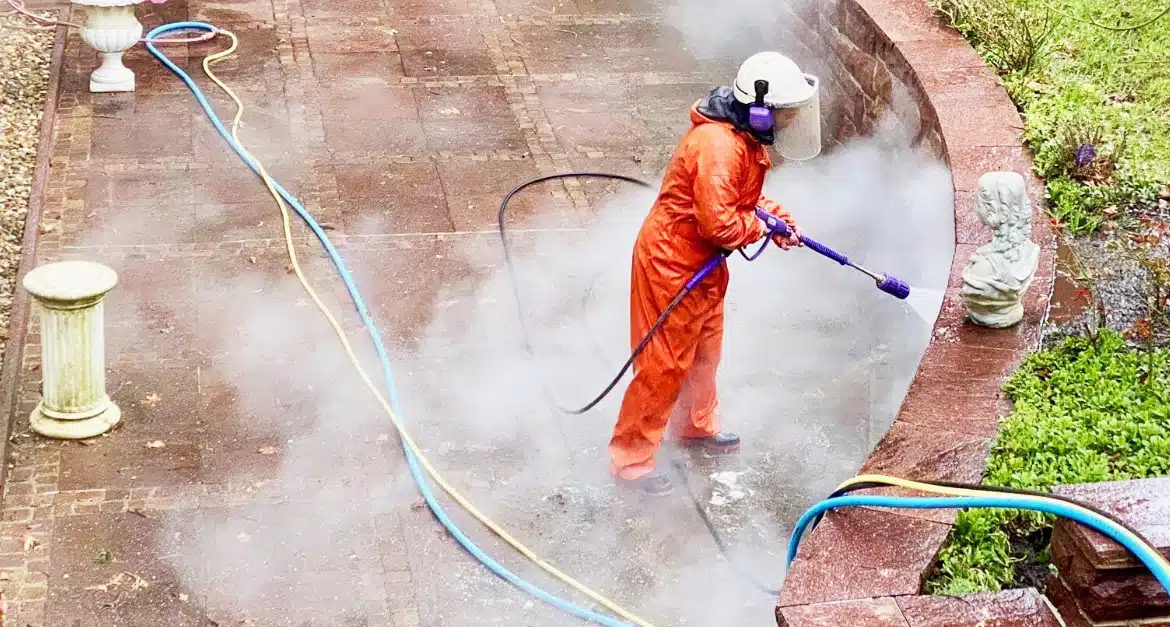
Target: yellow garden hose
(431, 471)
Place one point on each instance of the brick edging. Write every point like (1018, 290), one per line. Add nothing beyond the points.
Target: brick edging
(949, 416)
(10, 368)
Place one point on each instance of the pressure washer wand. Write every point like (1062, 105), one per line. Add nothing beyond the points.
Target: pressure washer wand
(885, 282)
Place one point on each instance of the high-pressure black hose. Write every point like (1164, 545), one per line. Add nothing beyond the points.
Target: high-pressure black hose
(516, 288)
(674, 303)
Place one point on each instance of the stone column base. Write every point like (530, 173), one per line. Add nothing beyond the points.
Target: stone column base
(75, 429)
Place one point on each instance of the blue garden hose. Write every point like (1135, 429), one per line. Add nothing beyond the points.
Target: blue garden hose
(1147, 554)
(412, 462)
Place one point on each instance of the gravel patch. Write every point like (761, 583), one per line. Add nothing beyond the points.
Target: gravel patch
(24, 76)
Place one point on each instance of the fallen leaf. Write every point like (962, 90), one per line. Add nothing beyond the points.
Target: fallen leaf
(48, 227)
(156, 444)
(150, 401)
(30, 542)
(269, 450)
(34, 367)
(290, 269)
(449, 111)
(418, 504)
(251, 260)
(166, 330)
(328, 226)
(183, 597)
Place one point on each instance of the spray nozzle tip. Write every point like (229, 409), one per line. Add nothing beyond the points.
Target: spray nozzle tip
(893, 286)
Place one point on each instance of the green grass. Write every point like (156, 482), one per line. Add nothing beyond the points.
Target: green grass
(1086, 411)
(1077, 84)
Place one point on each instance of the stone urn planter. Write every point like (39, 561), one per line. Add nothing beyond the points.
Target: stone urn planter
(112, 28)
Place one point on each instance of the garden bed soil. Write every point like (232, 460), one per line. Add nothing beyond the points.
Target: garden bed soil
(1100, 272)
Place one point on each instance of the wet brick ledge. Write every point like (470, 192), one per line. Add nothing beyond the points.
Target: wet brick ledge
(1012, 608)
(1098, 580)
(866, 567)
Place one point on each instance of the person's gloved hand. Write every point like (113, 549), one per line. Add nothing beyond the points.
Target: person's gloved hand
(775, 209)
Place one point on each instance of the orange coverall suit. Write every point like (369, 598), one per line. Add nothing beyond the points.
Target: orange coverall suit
(706, 204)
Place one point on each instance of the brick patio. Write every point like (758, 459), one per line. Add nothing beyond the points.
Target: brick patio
(280, 496)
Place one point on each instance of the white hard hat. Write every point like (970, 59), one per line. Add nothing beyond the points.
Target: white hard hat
(787, 87)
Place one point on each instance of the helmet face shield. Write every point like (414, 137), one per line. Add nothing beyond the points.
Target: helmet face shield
(800, 139)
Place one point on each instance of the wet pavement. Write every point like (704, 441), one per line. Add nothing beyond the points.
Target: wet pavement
(255, 481)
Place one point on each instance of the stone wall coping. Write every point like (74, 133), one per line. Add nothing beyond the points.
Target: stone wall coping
(1010, 608)
(951, 412)
(1144, 504)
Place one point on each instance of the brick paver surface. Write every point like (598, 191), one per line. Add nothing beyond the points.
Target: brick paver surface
(273, 490)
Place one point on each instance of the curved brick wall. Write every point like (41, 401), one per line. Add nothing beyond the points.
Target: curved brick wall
(863, 567)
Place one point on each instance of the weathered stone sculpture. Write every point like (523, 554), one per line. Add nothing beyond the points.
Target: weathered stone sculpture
(999, 273)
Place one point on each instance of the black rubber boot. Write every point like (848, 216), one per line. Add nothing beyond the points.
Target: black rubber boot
(653, 484)
(718, 444)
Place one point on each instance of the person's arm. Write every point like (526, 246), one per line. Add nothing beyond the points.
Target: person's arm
(719, 174)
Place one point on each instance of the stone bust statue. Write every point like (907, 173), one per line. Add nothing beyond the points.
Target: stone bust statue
(999, 273)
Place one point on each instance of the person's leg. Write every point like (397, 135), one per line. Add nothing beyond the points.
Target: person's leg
(699, 400)
(658, 376)
(641, 423)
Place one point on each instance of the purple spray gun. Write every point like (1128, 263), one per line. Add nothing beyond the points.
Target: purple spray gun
(886, 283)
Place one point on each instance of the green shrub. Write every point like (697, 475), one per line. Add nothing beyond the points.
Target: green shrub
(1086, 411)
(1079, 84)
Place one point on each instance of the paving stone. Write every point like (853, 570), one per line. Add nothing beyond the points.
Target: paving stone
(331, 36)
(536, 7)
(357, 68)
(1010, 608)
(324, 10)
(1103, 595)
(230, 11)
(481, 135)
(831, 563)
(633, 7)
(1101, 579)
(883, 612)
(922, 453)
(444, 49)
(1142, 504)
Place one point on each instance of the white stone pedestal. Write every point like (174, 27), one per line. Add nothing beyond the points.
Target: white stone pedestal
(74, 404)
(111, 28)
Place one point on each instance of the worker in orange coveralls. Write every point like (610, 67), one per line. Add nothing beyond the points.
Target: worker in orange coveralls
(706, 205)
